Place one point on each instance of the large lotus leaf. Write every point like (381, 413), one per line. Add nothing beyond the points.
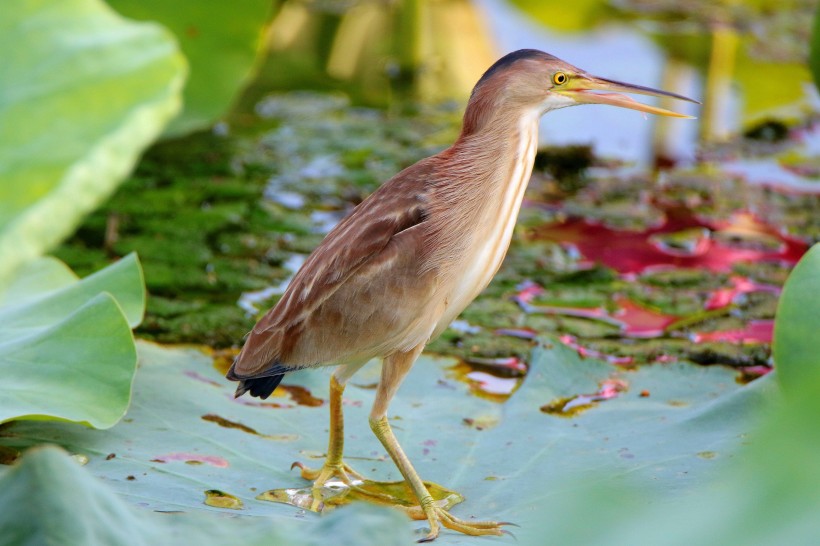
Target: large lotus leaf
(66, 349)
(674, 427)
(223, 43)
(47, 498)
(796, 340)
(768, 497)
(82, 93)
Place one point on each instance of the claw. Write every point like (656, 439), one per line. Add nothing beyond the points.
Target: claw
(510, 533)
(340, 471)
(438, 516)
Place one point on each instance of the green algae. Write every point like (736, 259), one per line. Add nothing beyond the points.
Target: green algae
(201, 233)
(675, 301)
(483, 344)
(774, 273)
(684, 277)
(650, 350)
(491, 312)
(574, 326)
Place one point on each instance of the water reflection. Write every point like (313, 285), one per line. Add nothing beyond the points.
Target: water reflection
(336, 493)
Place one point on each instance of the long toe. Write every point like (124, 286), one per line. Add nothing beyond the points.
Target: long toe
(440, 516)
(341, 472)
(360, 487)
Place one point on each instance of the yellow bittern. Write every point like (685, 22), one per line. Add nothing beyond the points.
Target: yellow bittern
(394, 273)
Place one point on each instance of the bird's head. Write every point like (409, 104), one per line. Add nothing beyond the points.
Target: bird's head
(532, 81)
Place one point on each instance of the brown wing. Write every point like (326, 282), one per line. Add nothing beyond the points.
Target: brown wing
(342, 302)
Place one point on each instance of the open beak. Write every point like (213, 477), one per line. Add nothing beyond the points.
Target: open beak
(587, 89)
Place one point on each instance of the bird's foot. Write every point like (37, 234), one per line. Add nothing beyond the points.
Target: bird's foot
(359, 486)
(333, 484)
(437, 516)
(329, 471)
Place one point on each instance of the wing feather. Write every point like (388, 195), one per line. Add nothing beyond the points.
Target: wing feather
(372, 245)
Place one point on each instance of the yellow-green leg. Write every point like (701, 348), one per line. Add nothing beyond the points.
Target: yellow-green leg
(334, 466)
(394, 370)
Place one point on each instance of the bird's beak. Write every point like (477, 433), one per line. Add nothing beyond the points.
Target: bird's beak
(587, 89)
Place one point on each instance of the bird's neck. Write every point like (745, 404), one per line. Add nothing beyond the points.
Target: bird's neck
(481, 193)
(499, 156)
(482, 181)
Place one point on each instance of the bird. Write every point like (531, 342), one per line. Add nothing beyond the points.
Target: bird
(394, 273)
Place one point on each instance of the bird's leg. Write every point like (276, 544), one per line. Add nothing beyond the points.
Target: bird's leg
(394, 370)
(334, 467)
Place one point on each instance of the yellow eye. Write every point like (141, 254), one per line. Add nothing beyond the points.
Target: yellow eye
(559, 78)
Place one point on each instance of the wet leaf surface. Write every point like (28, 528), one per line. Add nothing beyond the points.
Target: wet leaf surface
(49, 499)
(336, 493)
(220, 499)
(505, 470)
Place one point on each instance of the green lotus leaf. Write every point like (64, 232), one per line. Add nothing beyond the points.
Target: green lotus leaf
(45, 291)
(223, 42)
(671, 428)
(47, 498)
(82, 93)
(768, 496)
(66, 348)
(796, 341)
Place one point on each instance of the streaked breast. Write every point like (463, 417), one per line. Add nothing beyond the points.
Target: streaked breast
(492, 236)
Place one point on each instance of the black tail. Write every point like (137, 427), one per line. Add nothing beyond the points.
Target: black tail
(261, 387)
